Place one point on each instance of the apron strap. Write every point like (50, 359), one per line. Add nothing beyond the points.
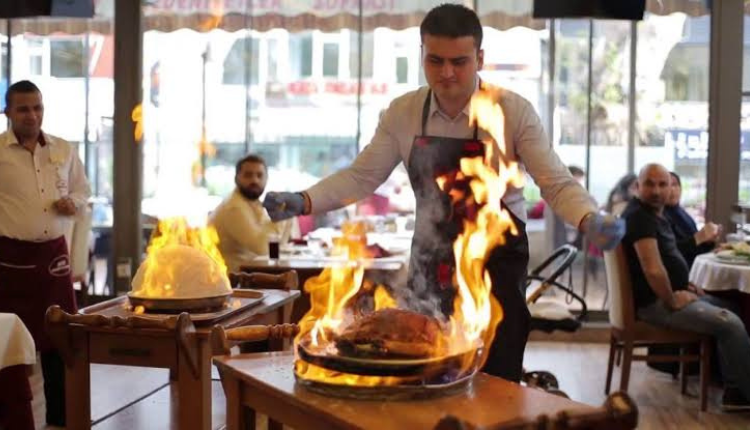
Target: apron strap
(426, 114)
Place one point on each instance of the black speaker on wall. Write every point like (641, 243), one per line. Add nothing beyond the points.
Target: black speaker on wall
(25, 8)
(55, 8)
(601, 9)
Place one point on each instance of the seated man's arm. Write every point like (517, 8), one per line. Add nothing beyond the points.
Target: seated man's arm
(656, 275)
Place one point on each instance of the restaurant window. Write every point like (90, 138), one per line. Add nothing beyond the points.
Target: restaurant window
(274, 45)
(241, 63)
(744, 179)
(402, 70)
(366, 56)
(301, 54)
(35, 50)
(672, 99)
(330, 60)
(4, 71)
(67, 58)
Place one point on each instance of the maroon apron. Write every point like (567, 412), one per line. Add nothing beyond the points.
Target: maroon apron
(33, 277)
(439, 221)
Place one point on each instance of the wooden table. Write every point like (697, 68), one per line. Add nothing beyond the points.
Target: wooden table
(265, 383)
(725, 280)
(188, 356)
(379, 270)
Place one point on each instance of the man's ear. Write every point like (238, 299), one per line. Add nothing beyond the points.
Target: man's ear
(480, 59)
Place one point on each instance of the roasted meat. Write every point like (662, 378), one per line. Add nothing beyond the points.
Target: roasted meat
(390, 333)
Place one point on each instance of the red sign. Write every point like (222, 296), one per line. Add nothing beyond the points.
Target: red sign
(336, 87)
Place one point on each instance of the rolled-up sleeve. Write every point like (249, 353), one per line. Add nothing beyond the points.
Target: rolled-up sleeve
(370, 169)
(559, 189)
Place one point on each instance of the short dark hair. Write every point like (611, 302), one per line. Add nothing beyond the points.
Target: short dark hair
(20, 87)
(454, 21)
(677, 178)
(576, 171)
(251, 158)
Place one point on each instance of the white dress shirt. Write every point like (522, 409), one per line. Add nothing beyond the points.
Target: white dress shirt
(31, 183)
(244, 228)
(525, 140)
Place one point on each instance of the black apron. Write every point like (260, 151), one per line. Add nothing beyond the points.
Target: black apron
(438, 224)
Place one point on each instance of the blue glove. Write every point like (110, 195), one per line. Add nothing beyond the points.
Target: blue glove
(281, 206)
(604, 231)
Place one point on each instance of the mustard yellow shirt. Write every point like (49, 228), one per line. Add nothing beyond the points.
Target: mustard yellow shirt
(244, 228)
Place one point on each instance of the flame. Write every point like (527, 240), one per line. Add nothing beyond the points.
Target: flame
(383, 300)
(332, 289)
(476, 311)
(137, 117)
(159, 278)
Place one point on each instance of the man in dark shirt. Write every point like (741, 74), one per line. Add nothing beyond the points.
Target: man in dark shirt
(690, 240)
(663, 293)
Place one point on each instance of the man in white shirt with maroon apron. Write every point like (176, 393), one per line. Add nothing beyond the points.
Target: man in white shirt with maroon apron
(42, 187)
(429, 131)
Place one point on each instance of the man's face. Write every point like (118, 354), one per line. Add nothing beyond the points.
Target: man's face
(251, 181)
(675, 192)
(26, 112)
(653, 187)
(451, 65)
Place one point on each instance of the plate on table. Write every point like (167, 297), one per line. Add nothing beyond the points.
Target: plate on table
(729, 257)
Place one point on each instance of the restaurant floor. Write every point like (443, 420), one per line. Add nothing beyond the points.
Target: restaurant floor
(580, 368)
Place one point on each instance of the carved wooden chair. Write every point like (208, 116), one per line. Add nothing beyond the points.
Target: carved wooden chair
(222, 341)
(619, 412)
(257, 280)
(628, 333)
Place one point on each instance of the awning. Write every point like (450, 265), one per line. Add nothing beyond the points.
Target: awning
(300, 15)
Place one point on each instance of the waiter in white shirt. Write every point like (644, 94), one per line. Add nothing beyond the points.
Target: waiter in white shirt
(242, 223)
(42, 187)
(428, 129)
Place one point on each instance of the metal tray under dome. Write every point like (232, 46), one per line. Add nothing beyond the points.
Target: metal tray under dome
(154, 304)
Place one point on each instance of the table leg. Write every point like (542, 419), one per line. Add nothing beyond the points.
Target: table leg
(194, 408)
(78, 383)
(238, 417)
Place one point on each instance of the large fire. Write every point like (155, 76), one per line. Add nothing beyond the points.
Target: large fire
(182, 262)
(476, 313)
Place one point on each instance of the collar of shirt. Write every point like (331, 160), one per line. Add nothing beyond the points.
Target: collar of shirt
(435, 107)
(10, 138)
(238, 199)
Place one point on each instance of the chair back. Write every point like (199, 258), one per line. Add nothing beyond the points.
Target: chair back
(621, 309)
(258, 280)
(80, 243)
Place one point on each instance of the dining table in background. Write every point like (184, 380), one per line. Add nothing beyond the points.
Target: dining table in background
(17, 356)
(728, 279)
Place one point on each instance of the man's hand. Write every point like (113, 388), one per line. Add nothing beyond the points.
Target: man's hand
(65, 206)
(696, 289)
(605, 231)
(680, 299)
(709, 233)
(282, 206)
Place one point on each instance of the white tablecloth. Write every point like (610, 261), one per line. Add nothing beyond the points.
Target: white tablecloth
(714, 275)
(16, 345)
